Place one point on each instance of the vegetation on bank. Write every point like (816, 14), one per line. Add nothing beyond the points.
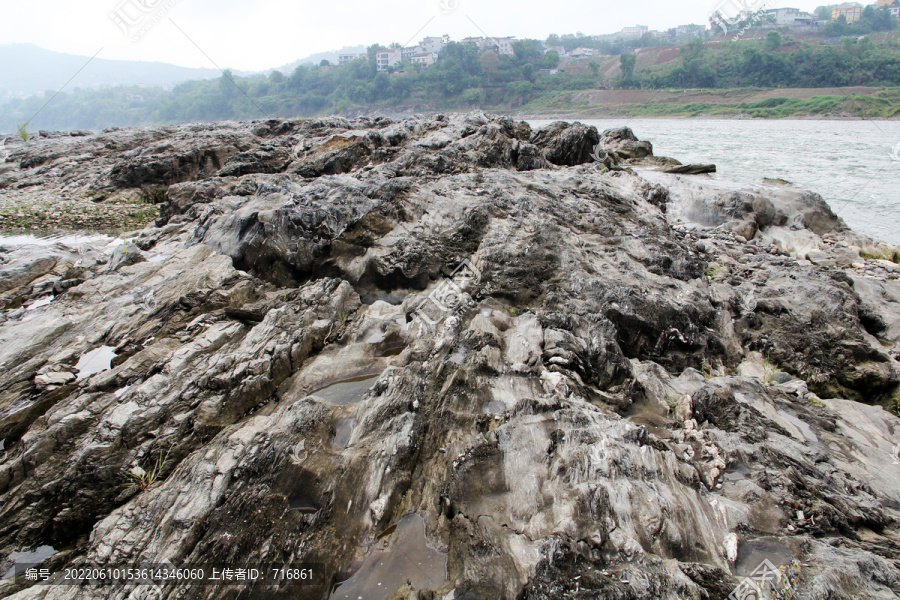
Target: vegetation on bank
(880, 105)
(464, 78)
(772, 62)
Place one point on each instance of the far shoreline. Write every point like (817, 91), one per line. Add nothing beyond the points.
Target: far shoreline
(681, 117)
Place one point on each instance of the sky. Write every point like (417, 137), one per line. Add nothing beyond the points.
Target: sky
(269, 33)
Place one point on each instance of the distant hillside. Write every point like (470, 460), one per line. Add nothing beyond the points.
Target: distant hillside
(315, 59)
(26, 69)
(656, 80)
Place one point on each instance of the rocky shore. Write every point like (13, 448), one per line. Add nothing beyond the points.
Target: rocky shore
(443, 358)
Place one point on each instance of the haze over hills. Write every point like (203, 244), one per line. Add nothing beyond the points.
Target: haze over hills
(315, 59)
(784, 50)
(26, 69)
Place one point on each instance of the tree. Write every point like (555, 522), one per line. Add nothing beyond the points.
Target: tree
(595, 68)
(519, 92)
(773, 41)
(528, 50)
(528, 71)
(276, 77)
(627, 63)
(371, 51)
(693, 50)
(553, 40)
(551, 59)
(882, 20)
(824, 12)
(474, 96)
(325, 63)
(226, 85)
(490, 62)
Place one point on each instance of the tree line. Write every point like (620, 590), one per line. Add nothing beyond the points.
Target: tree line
(464, 77)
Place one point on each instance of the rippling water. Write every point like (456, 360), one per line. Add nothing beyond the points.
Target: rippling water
(848, 162)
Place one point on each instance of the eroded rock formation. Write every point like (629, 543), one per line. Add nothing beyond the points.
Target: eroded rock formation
(589, 379)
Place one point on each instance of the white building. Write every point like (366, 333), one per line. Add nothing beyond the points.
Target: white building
(433, 45)
(388, 58)
(478, 41)
(505, 45)
(806, 20)
(689, 30)
(792, 17)
(343, 59)
(784, 16)
(424, 60)
(410, 51)
(581, 52)
(634, 32)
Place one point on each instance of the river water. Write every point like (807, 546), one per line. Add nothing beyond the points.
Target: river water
(849, 162)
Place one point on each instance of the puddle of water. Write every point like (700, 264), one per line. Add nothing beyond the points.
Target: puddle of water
(736, 472)
(303, 504)
(752, 553)
(803, 426)
(154, 258)
(491, 408)
(486, 312)
(343, 429)
(401, 319)
(18, 241)
(651, 417)
(346, 392)
(392, 350)
(405, 556)
(392, 298)
(28, 557)
(388, 531)
(95, 361)
(373, 336)
(44, 301)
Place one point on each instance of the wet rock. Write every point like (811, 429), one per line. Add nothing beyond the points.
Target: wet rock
(690, 169)
(833, 257)
(625, 144)
(49, 380)
(575, 382)
(567, 143)
(143, 171)
(124, 255)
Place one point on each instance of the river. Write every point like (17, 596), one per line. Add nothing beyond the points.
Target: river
(849, 162)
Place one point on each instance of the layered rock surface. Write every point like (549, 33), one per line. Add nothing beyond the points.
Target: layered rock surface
(589, 378)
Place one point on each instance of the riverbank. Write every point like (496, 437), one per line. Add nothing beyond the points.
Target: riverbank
(811, 103)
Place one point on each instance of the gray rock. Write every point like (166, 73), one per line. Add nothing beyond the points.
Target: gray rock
(690, 169)
(541, 355)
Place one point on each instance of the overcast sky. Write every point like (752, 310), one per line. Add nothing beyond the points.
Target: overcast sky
(269, 33)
